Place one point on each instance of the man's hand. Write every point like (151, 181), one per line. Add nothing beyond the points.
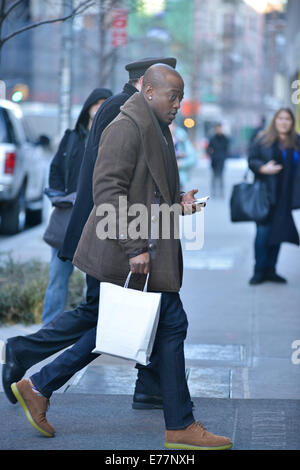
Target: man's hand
(270, 168)
(187, 205)
(140, 264)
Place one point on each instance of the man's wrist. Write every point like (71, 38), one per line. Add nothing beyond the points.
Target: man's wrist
(137, 252)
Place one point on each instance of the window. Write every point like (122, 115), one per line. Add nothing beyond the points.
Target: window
(6, 131)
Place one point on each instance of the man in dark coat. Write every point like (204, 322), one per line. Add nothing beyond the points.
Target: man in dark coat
(218, 152)
(67, 328)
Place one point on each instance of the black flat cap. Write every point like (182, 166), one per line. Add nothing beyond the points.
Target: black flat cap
(138, 69)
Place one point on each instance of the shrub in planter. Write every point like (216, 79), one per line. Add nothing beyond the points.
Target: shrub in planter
(23, 287)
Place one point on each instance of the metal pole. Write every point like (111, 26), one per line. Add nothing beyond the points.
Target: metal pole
(102, 27)
(113, 68)
(65, 101)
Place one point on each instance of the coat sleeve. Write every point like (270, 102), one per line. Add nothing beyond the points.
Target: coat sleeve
(114, 169)
(255, 159)
(57, 167)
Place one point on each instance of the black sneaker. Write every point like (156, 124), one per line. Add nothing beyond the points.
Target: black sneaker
(257, 278)
(141, 401)
(274, 277)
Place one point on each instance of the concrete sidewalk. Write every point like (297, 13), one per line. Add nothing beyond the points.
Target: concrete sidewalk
(238, 352)
(106, 422)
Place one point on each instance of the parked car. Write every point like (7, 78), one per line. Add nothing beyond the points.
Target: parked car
(23, 168)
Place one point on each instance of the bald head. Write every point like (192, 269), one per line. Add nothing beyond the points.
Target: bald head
(163, 90)
(157, 74)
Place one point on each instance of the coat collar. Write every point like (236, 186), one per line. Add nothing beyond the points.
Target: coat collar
(129, 89)
(153, 141)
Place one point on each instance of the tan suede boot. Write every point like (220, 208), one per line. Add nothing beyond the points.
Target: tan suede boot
(34, 406)
(196, 437)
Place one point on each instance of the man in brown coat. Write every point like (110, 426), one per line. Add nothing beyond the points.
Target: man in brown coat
(67, 329)
(137, 165)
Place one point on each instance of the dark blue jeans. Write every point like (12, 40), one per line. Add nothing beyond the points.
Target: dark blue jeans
(57, 291)
(265, 255)
(167, 358)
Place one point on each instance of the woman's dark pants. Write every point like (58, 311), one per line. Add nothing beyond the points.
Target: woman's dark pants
(265, 255)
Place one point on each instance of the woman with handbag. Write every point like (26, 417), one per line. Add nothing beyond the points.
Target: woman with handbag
(274, 159)
(63, 179)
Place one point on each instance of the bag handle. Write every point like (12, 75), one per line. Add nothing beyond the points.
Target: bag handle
(128, 279)
(246, 174)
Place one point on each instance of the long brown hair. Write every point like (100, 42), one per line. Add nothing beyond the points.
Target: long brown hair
(270, 135)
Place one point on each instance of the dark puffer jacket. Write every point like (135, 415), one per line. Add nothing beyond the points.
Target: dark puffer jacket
(64, 173)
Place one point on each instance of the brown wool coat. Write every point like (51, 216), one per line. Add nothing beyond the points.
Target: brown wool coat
(131, 163)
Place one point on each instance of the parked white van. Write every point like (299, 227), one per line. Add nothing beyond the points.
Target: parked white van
(23, 171)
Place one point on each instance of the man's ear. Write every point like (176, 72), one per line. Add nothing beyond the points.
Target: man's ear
(139, 84)
(148, 91)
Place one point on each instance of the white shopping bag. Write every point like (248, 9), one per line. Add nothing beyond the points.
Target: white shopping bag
(127, 321)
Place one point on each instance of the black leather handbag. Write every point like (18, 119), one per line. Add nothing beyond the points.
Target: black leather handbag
(249, 202)
(63, 205)
(59, 220)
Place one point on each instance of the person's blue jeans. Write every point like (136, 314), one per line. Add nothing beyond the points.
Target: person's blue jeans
(167, 356)
(57, 291)
(266, 255)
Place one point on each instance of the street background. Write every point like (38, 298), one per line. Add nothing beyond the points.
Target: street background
(239, 58)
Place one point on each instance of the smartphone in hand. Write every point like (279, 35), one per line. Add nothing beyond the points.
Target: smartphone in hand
(201, 200)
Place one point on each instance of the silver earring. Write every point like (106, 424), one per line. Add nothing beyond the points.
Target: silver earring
(150, 97)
